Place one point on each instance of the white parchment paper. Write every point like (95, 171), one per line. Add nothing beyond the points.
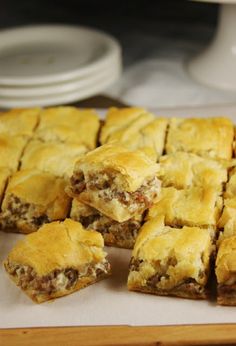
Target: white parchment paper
(108, 302)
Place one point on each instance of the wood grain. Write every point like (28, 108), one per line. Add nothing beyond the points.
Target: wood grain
(204, 335)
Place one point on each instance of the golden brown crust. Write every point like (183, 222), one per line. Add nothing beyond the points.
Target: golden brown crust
(183, 170)
(196, 206)
(19, 121)
(136, 129)
(69, 124)
(33, 198)
(165, 258)
(11, 149)
(210, 137)
(119, 118)
(55, 158)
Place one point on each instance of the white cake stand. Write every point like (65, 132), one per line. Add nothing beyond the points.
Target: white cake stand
(216, 66)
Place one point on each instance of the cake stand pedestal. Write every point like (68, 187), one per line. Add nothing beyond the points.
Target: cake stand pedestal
(216, 66)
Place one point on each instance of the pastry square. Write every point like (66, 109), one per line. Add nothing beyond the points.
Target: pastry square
(120, 234)
(210, 137)
(171, 261)
(59, 259)
(196, 206)
(136, 129)
(11, 149)
(116, 181)
(183, 170)
(56, 158)
(225, 272)
(19, 121)
(69, 124)
(4, 176)
(33, 198)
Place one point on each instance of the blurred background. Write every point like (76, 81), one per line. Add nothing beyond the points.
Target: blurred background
(157, 39)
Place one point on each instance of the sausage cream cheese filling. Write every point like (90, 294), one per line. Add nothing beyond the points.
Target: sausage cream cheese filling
(59, 279)
(19, 212)
(107, 190)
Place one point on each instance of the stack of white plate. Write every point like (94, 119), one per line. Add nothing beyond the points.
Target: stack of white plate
(54, 64)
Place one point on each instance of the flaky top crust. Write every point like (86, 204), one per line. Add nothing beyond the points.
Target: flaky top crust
(56, 158)
(69, 124)
(19, 121)
(226, 260)
(136, 129)
(196, 206)
(133, 168)
(183, 170)
(210, 137)
(157, 244)
(154, 234)
(11, 148)
(42, 189)
(58, 245)
(121, 123)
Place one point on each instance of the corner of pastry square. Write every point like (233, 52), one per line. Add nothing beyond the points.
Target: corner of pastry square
(61, 258)
(31, 199)
(116, 181)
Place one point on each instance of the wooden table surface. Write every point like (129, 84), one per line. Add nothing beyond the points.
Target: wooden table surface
(204, 335)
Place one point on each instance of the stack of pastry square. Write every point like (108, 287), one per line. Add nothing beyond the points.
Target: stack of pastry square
(112, 187)
(173, 251)
(44, 150)
(134, 129)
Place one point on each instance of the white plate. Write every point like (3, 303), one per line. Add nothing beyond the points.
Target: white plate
(36, 55)
(59, 88)
(89, 87)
